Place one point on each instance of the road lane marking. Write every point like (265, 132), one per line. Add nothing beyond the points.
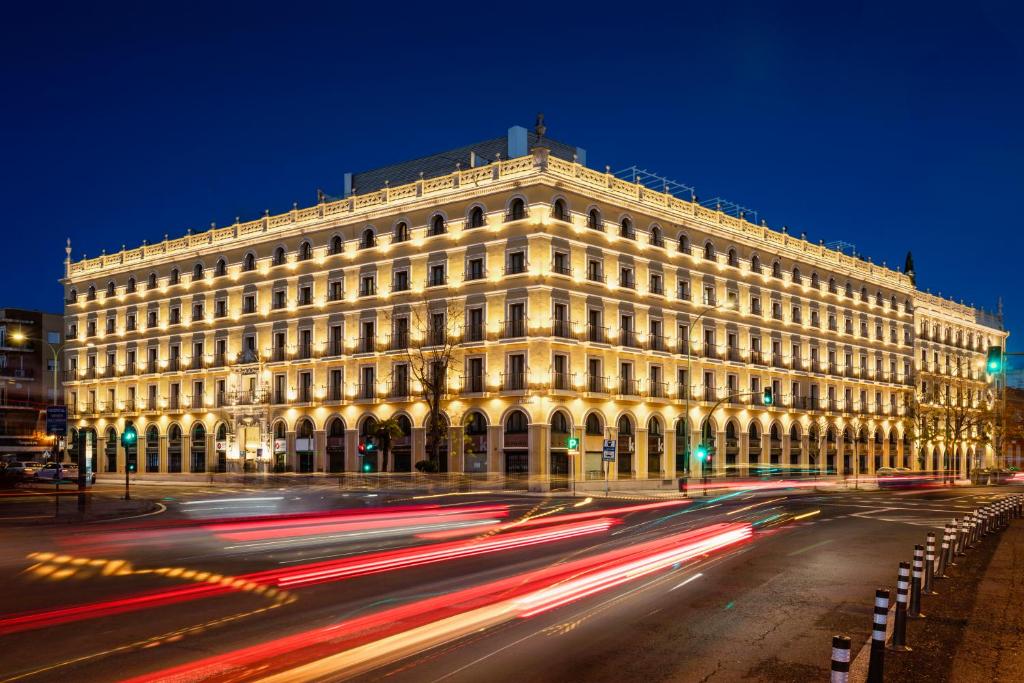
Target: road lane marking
(680, 585)
(231, 500)
(810, 547)
(161, 508)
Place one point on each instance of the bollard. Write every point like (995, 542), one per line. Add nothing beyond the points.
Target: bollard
(929, 566)
(954, 539)
(961, 540)
(840, 659)
(879, 624)
(914, 609)
(940, 572)
(899, 632)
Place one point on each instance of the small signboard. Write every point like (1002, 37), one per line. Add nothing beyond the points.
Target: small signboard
(57, 420)
(608, 452)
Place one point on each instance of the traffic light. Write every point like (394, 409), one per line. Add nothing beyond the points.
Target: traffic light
(367, 467)
(702, 452)
(366, 445)
(769, 398)
(572, 443)
(129, 436)
(994, 362)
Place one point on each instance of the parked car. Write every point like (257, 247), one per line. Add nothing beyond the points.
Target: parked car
(62, 471)
(24, 468)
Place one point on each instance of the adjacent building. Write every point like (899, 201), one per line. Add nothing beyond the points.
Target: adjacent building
(30, 379)
(556, 300)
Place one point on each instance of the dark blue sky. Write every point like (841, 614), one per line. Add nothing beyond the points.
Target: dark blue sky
(893, 128)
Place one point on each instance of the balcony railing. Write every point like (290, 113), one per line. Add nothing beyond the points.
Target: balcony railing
(561, 268)
(597, 384)
(367, 344)
(335, 347)
(657, 389)
(514, 381)
(656, 342)
(366, 391)
(628, 338)
(398, 341)
(398, 389)
(561, 381)
(473, 384)
(597, 334)
(562, 329)
(473, 332)
(243, 398)
(513, 328)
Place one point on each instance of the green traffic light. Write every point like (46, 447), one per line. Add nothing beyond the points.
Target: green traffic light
(366, 467)
(702, 453)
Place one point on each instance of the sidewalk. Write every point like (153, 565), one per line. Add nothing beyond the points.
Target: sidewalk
(27, 507)
(973, 629)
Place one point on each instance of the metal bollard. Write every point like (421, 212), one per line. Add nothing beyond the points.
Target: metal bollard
(840, 659)
(961, 539)
(940, 572)
(879, 625)
(929, 566)
(914, 610)
(899, 632)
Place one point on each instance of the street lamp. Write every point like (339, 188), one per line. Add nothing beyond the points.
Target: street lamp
(725, 305)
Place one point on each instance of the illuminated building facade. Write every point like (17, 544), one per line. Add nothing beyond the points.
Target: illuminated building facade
(579, 304)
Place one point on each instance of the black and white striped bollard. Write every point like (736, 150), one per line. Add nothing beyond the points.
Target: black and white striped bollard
(840, 659)
(899, 632)
(914, 609)
(879, 625)
(927, 588)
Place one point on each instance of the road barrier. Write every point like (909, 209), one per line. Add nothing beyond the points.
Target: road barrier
(840, 659)
(929, 565)
(879, 626)
(914, 609)
(899, 631)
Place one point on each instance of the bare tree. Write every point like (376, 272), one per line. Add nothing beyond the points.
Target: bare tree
(430, 336)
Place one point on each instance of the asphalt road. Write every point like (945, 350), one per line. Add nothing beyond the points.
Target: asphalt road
(122, 599)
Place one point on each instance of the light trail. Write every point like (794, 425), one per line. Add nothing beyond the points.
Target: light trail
(364, 643)
(304, 575)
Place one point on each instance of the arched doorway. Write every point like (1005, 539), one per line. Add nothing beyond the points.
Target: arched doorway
(732, 449)
(440, 434)
(878, 459)
(561, 427)
(862, 451)
(795, 449)
(401, 446)
(754, 446)
(655, 447)
(593, 440)
(336, 445)
(775, 448)
(474, 429)
(849, 447)
(152, 449)
(515, 449)
(110, 450)
(626, 448)
(682, 432)
(894, 458)
(221, 444)
(197, 455)
(280, 447)
(305, 445)
(174, 448)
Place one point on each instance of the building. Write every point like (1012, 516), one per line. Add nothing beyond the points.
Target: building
(30, 379)
(569, 302)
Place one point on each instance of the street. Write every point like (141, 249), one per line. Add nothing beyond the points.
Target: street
(318, 583)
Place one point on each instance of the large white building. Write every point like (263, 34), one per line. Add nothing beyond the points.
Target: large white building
(576, 303)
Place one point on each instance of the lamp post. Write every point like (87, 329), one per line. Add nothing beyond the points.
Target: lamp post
(726, 305)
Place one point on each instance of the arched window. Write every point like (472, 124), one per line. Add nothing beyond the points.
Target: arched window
(815, 283)
(684, 243)
(197, 272)
(892, 302)
(709, 251)
(476, 217)
(777, 270)
(657, 239)
(131, 285)
(198, 448)
(73, 296)
(249, 263)
(336, 246)
(625, 425)
(368, 239)
(476, 424)
(175, 276)
(305, 251)
(863, 293)
(437, 226)
(110, 288)
(516, 423)
(797, 278)
(849, 290)
(734, 260)
(517, 210)
(594, 220)
(593, 425)
(879, 299)
(626, 229)
(832, 285)
(151, 283)
(559, 423)
(401, 231)
(755, 264)
(279, 256)
(222, 268)
(559, 212)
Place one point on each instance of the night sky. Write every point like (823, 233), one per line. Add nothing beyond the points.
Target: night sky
(893, 129)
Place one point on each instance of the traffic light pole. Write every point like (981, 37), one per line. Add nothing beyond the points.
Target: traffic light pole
(707, 420)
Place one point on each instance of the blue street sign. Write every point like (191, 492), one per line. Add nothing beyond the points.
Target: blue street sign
(608, 452)
(57, 420)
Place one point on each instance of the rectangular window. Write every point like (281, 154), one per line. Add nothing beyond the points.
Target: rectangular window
(305, 295)
(475, 269)
(249, 303)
